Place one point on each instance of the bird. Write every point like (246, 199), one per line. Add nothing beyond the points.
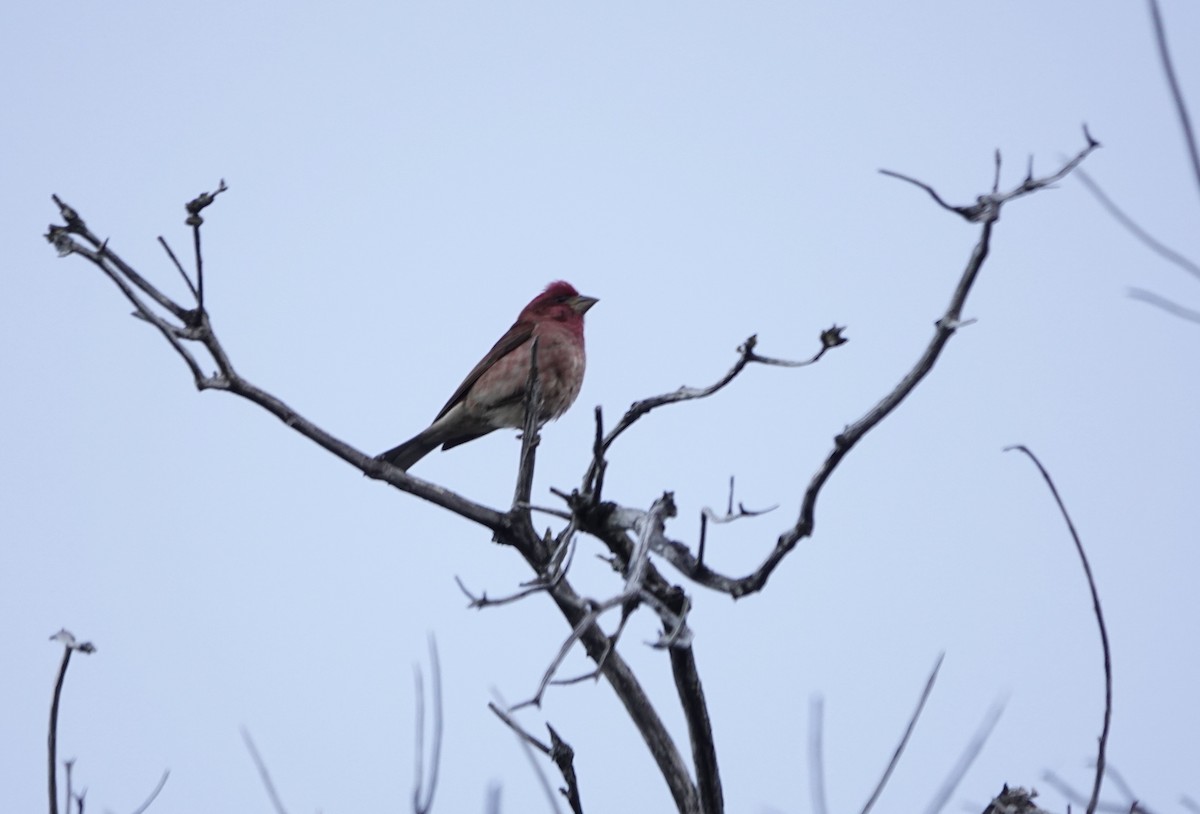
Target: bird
(492, 395)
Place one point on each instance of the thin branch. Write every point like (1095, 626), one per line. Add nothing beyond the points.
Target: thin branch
(162, 781)
(179, 267)
(708, 515)
(966, 759)
(422, 795)
(483, 601)
(1154, 244)
(912, 724)
(1185, 121)
(816, 754)
(263, 774)
(528, 743)
(68, 765)
(194, 208)
(830, 338)
(1171, 307)
(529, 438)
(70, 645)
(1087, 570)
(1077, 797)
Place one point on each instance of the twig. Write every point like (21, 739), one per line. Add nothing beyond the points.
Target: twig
(816, 754)
(830, 338)
(529, 438)
(194, 208)
(482, 601)
(528, 742)
(422, 796)
(966, 759)
(912, 724)
(1185, 122)
(1087, 570)
(1165, 304)
(1154, 244)
(179, 267)
(707, 515)
(1077, 797)
(263, 774)
(70, 645)
(162, 781)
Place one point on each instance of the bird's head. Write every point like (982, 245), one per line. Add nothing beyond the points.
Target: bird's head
(559, 302)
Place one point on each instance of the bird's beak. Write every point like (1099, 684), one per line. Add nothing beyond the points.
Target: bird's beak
(580, 304)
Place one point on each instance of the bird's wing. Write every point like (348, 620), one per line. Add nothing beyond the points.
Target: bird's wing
(516, 336)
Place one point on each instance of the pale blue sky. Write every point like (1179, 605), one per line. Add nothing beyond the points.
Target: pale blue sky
(403, 179)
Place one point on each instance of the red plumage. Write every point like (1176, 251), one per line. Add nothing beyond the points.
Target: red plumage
(493, 394)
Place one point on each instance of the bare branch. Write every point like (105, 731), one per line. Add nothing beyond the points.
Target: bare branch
(987, 207)
(912, 724)
(70, 645)
(830, 338)
(195, 326)
(816, 754)
(1155, 245)
(1077, 797)
(707, 515)
(985, 211)
(632, 696)
(528, 743)
(422, 795)
(695, 710)
(194, 208)
(529, 438)
(966, 759)
(179, 267)
(263, 774)
(1185, 121)
(1171, 307)
(1087, 570)
(483, 601)
(162, 781)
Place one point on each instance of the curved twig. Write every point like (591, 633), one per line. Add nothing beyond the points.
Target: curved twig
(1087, 570)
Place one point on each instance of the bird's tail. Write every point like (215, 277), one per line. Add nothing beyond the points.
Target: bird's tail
(411, 451)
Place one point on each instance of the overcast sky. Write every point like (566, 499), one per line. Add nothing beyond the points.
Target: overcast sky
(402, 179)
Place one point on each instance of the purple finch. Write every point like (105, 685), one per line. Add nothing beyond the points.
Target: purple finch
(493, 394)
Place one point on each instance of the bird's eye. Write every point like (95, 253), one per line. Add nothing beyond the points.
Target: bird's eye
(561, 298)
